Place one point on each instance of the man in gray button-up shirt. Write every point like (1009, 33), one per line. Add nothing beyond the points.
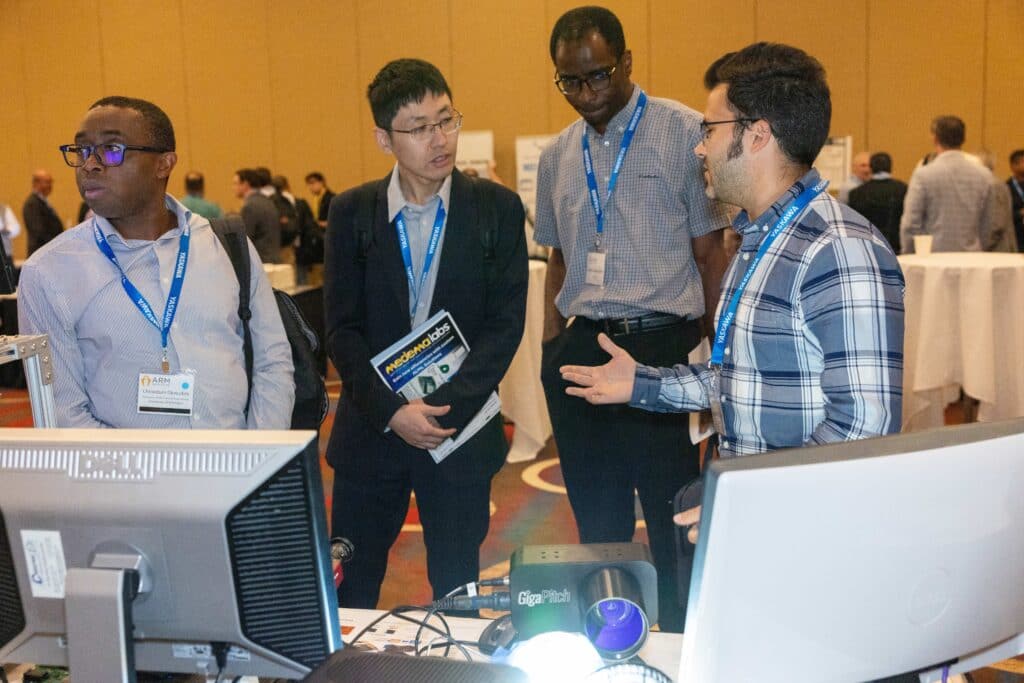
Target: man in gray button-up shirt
(653, 279)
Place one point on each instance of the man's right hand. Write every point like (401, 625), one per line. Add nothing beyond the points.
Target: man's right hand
(416, 424)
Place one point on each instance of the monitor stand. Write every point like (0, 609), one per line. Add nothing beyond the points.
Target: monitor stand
(98, 621)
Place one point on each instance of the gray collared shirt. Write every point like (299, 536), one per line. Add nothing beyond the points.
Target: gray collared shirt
(101, 341)
(658, 208)
(419, 223)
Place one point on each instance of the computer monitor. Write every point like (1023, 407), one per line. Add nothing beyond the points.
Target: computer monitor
(861, 560)
(225, 531)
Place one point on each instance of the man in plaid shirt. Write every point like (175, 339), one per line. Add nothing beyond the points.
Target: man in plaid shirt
(809, 329)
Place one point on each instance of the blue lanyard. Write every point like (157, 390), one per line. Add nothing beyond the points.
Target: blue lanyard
(729, 314)
(1020, 192)
(173, 296)
(588, 162)
(403, 244)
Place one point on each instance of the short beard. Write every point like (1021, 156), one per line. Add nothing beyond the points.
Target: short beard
(736, 146)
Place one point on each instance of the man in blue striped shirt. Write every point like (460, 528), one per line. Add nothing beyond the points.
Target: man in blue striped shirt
(809, 328)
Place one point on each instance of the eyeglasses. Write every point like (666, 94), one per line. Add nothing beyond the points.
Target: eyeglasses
(597, 81)
(447, 125)
(108, 154)
(705, 126)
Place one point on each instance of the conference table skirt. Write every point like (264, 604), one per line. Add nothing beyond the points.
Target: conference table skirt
(964, 330)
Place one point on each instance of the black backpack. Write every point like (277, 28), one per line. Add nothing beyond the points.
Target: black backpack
(311, 401)
(288, 218)
(310, 247)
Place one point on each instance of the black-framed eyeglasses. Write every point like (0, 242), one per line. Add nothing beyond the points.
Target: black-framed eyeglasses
(108, 154)
(705, 126)
(596, 80)
(447, 125)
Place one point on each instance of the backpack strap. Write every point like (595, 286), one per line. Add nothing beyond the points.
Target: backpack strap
(487, 213)
(230, 230)
(366, 212)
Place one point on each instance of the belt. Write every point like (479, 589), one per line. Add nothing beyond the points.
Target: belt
(615, 327)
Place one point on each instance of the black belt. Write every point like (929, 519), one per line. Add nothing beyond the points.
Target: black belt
(615, 327)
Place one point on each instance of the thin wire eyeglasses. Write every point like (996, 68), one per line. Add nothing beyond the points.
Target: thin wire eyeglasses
(705, 126)
(447, 125)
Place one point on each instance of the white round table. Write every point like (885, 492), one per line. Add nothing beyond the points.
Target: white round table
(964, 330)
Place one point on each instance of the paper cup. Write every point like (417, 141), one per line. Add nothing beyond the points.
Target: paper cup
(922, 244)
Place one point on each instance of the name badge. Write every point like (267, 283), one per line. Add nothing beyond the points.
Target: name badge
(595, 268)
(163, 394)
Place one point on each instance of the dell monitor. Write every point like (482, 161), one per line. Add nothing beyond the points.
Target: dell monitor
(173, 551)
(861, 560)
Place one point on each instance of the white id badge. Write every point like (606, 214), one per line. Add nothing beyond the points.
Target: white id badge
(595, 268)
(166, 394)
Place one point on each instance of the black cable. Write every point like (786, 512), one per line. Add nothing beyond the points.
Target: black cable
(430, 646)
(220, 655)
(398, 613)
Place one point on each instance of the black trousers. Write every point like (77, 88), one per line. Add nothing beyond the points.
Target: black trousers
(608, 452)
(369, 510)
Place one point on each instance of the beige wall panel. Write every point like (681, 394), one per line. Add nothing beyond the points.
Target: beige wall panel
(15, 162)
(500, 72)
(227, 80)
(635, 18)
(834, 33)
(63, 73)
(141, 62)
(923, 61)
(316, 93)
(686, 38)
(384, 33)
(1004, 81)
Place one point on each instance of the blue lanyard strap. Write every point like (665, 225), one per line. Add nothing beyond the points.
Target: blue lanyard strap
(173, 296)
(403, 244)
(1016, 186)
(729, 314)
(588, 162)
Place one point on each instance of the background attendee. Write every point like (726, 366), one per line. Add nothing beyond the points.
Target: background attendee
(950, 198)
(144, 296)
(321, 194)
(308, 236)
(194, 200)
(860, 173)
(645, 272)
(260, 215)
(41, 220)
(880, 199)
(9, 229)
(809, 343)
(1002, 235)
(383, 279)
(1016, 185)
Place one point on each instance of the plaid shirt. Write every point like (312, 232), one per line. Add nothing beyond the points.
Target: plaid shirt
(816, 350)
(657, 209)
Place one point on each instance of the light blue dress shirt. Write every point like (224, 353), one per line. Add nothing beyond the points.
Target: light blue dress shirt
(101, 341)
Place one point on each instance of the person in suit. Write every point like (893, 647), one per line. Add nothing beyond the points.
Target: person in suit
(322, 194)
(41, 220)
(383, 279)
(880, 199)
(1016, 185)
(262, 221)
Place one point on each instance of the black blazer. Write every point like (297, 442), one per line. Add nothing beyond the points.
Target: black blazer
(367, 310)
(41, 222)
(881, 202)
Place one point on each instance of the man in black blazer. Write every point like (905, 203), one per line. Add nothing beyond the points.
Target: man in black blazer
(318, 187)
(382, 281)
(880, 199)
(41, 220)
